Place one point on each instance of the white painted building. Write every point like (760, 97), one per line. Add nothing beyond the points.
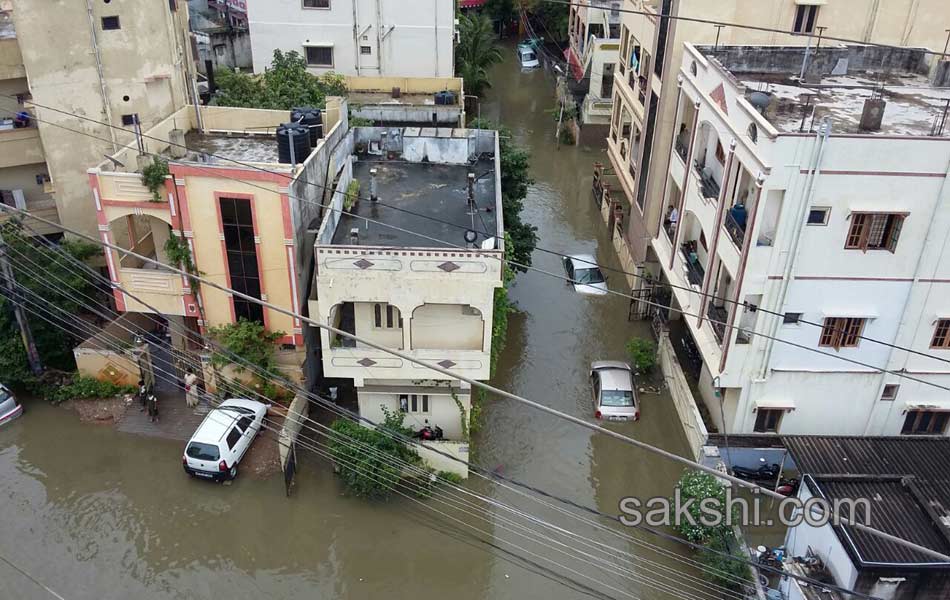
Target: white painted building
(411, 293)
(840, 225)
(387, 38)
(592, 53)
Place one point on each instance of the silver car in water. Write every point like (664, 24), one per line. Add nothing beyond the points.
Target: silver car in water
(613, 392)
(9, 407)
(585, 275)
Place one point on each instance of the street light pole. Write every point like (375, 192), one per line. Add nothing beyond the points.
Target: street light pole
(9, 283)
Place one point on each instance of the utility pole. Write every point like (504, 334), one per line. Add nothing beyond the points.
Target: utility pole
(9, 283)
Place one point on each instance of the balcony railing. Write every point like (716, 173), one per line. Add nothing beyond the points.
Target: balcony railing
(695, 273)
(682, 148)
(717, 316)
(709, 187)
(736, 231)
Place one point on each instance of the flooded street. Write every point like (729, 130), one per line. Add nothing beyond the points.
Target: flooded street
(98, 514)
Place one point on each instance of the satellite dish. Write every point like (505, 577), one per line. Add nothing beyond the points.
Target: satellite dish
(470, 236)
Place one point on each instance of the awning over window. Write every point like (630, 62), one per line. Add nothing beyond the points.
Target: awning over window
(471, 3)
(941, 405)
(775, 403)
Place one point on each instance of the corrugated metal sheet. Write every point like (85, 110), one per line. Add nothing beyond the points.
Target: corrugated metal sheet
(906, 479)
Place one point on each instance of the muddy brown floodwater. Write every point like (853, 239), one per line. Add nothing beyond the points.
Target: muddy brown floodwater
(98, 514)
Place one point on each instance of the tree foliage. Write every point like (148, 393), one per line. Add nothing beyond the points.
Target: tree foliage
(283, 86)
(476, 51)
(49, 274)
(153, 177)
(85, 388)
(642, 353)
(515, 180)
(247, 340)
(371, 473)
(550, 18)
(502, 12)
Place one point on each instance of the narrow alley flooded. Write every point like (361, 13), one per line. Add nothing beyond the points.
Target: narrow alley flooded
(98, 514)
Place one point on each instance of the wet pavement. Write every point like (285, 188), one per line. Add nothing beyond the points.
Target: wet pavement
(96, 513)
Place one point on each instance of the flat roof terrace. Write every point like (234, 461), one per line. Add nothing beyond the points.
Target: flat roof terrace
(837, 82)
(257, 148)
(423, 197)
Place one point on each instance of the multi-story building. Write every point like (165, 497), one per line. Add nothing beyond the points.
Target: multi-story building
(417, 293)
(244, 215)
(642, 135)
(221, 34)
(593, 45)
(390, 38)
(78, 59)
(803, 228)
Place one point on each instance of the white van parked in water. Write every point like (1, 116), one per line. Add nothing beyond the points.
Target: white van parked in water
(222, 439)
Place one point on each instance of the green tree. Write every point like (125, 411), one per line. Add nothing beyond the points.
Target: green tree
(284, 85)
(476, 51)
(48, 273)
(550, 18)
(642, 352)
(515, 180)
(371, 473)
(502, 12)
(247, 340)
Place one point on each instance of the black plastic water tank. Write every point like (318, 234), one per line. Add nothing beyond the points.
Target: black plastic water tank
(448, 98)
(301, 141)
(312, 119)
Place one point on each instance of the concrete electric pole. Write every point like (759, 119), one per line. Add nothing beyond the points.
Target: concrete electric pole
(9, 283)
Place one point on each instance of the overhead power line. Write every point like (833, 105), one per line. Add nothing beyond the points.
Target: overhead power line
(477, 383)
(896, 373)
(477, 470)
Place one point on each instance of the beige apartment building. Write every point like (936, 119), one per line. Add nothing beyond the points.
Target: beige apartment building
(646, 91)
(114, 62)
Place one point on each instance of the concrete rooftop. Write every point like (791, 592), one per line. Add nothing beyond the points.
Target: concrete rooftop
(251, 148)
(357, 98)
(427, 189)
(837, 82)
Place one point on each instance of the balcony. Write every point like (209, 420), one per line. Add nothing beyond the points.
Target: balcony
(735, 229)
(11, 61)
(160, 289)
(708, 186)
(718, 316)
(695, 273)
(20, 146)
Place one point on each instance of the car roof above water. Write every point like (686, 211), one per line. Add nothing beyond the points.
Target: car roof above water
(583, 261)
(219, 421)
(614, 375)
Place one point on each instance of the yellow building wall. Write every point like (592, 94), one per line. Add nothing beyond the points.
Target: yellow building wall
(209, 252)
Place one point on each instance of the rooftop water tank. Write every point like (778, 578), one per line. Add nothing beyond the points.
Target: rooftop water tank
(312, 119)
(300, 136)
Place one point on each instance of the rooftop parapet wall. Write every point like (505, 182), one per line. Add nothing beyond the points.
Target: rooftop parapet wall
(788, 60)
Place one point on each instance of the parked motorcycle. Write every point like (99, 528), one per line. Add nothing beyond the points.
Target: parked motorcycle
(429, 433)
(763, 473)
(770, 557)
(788, 487)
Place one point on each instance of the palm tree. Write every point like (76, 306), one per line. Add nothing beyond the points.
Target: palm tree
(476, 51)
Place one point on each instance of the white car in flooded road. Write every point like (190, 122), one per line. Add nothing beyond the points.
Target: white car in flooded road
(613, 392)
(9, 407)
(222, 439)
(585, 275)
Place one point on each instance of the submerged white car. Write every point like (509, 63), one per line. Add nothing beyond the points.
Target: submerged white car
(528, 58)
(585, 275)
(9, 407)
(222, 439)
(613, 392)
